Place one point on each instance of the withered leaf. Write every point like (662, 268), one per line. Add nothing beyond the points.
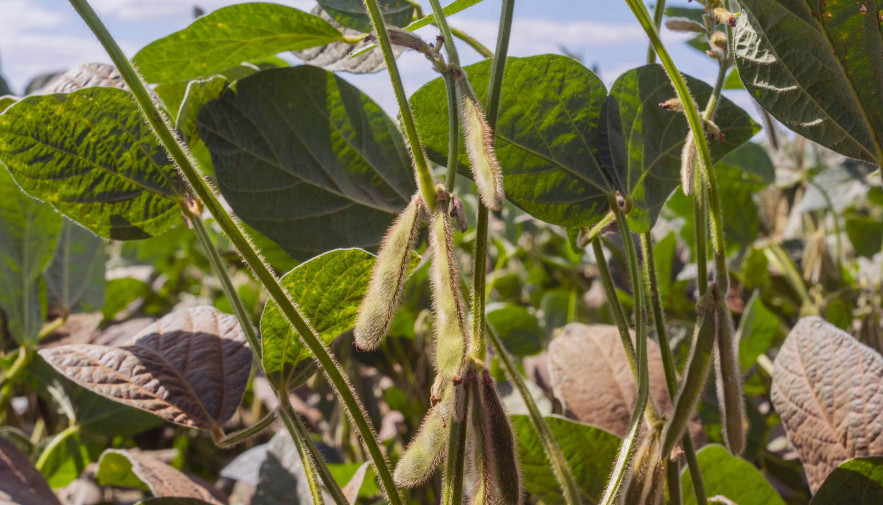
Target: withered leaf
(828, 389)
(190, 367)
(85, 76)
(590, 374)
(119, 467)
(20, 482)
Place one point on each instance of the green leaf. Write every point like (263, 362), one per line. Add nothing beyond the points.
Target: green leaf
(64, 458)
(119, 293)
(517, 328)
(352, 14)
(696, 14)
(198, 93)
(546, 135)
(758, 329)
(857, 482)
(589, 452)
(865, 233)
(229, 36)
(29, 230)
(816, 66)
(449, 10)
(328, 289)
(6, 102)
(116, 470)
(731, 477)
(136, 469)
(556, 310)
(641, 142)
(733, 80)
(91, 155)
(75, 277)
(307, 159)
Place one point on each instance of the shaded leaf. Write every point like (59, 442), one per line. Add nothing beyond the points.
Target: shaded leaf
(118, 180)
(816, 66)
(641, 142)
(335, 177)
(590, 374)
(865, 233)
(517, 328)
(198, 93)
(589, 452)
(758, 329)
(556, 310)
(546, 135)
(20, 482)
(75, 276)
(857, 482)
(64, 458)
(230, 36)
(247, 465)
(828, 389)
(189, 368)
(29, 230)
(328, 290)
(6, 102)
(352, 14)
(281, 478)
(837, 188)
(136, 469)
(731, 477)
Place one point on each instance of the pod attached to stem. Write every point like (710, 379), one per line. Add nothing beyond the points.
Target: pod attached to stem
(728, 378)
(479, 142)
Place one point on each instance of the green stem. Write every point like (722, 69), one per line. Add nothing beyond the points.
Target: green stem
(550, 446)
(629, 443)
(658, 11)
(615, 307)
(424, 175)
(454, 466)
(696, 126)
(246, 433)
(701, 239)
(668, 366)
(306, 457)
(453, 130)
(442, 22)
(49, 328)
(251, 257)
(472, 42)
(594, 232)
(50, 448)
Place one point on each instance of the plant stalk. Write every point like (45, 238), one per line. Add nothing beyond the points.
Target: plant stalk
(425, 179)
(251, 257)
(453, 131)
(455, 464)
(658, 11)
(472, 42)
(306, 458)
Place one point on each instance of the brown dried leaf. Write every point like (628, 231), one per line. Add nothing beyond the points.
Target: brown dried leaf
(20, 482)
(190, 367)
(85, 76)
(160, 478)
(590, 374)
(828, 389)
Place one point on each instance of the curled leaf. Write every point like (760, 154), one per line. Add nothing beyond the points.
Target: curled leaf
(828, 389)
(448, 307)
(388, 278)
(480, 147)
(190, 367)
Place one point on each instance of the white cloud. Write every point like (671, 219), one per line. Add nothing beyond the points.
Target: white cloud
(139, 10)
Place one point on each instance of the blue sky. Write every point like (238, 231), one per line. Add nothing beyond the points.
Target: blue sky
(46, 35)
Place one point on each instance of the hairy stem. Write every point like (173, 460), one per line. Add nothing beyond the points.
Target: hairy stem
(244, 434)
(614, 305)
(289, 417)
(421, 165)
(473, 42)
(251, 257)
(658, 11)
(453, 130)
(454, 467)
(629, 443)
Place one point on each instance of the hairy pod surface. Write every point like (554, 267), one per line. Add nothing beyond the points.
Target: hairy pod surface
(388, 278)
(450, 311)
(479, 142)
(728, 378)
(696, 373)
(500, 457)
(426, 450)
(688, 164)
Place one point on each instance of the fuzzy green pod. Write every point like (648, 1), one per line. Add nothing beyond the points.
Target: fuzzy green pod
(388, 278)
(447, 301)
(426, 449)
(728, 378)
(696, 373)
(688, 164)
(500, 455)
(479, 142)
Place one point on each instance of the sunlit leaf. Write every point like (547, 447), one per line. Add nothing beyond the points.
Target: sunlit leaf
(352, 14)
(730, 477)
(136, 469)
(857, 482)
(75, 276)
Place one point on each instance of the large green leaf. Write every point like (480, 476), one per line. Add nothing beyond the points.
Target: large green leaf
(352, 14)
(75, 276)
(731, 477)
(816, 67)
(857, 482)
(517, 328)
(29, 230)
(64, 458)
(589, 452)
(229, 36)
(328, 290)
(546, 135)
(91, 155)
(307, 159)
(641, 142)
(758, 329)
